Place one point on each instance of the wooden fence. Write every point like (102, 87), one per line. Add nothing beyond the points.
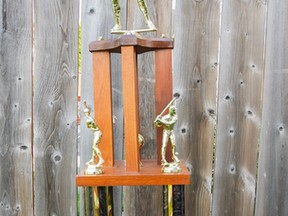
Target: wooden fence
(229, 67)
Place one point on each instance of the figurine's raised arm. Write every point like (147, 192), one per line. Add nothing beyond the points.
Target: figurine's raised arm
(168, 121)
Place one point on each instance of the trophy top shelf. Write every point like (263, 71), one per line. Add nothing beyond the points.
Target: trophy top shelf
(142, 44)
(150, 174)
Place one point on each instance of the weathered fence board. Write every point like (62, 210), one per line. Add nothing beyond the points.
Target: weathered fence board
(51, 116)
(239, 106)
(195, 75)
(272, 187)
(96, 21)
(55, 107)
(16, 189)
(147, 200)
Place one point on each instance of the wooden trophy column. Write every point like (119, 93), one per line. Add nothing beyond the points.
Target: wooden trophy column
(103, 104)
(131, 109)
(128, 172)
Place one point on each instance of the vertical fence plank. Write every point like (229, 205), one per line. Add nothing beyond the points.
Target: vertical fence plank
(93, 26)
(195, 74)
(97, 20)
(16, 190)
(55, 106)
(147, 200)
(240, 103)
(272, 196)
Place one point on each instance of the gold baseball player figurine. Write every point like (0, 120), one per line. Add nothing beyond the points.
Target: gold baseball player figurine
(117, 11)
(167, 122)
(92, 167)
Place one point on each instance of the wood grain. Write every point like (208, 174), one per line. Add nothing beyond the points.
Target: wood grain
(141, 44)
(239, 106)
(55, 107)
(150, 174)
(136, 199)
(272, 183)
(131, 107)
(163, 93)
(195, 69)
(103, 104)
(97, 20)
(16, 181)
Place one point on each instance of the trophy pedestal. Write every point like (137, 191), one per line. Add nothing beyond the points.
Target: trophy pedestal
(150, 174)
(128, 171)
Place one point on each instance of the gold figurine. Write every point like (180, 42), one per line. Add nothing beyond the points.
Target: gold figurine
(92, 167)
(117, 11)
(167, 122)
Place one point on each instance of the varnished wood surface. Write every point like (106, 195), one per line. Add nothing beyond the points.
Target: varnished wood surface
(163, 94)
(55, 107)
(272, 185)
(131, 107)
(149, 174)
(102, 84)
(239, 106)
(16, 170)
(142, 44)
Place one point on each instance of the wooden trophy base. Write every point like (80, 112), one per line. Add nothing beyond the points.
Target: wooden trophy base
(149, 174)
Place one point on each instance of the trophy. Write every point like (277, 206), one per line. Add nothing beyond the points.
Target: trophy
(131, 170)
(167, 122)
(93, 167)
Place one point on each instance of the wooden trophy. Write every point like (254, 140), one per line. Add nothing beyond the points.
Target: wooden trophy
(128, 171)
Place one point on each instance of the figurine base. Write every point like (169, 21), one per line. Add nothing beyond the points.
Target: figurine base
(93, 170)
(131, 32)
(171, 168)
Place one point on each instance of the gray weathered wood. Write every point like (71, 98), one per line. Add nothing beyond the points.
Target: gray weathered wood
(16, 190)
(55, 106)
(239, 106)
(272, 187)
(97, 20)
(195, 60)
(147, 200)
